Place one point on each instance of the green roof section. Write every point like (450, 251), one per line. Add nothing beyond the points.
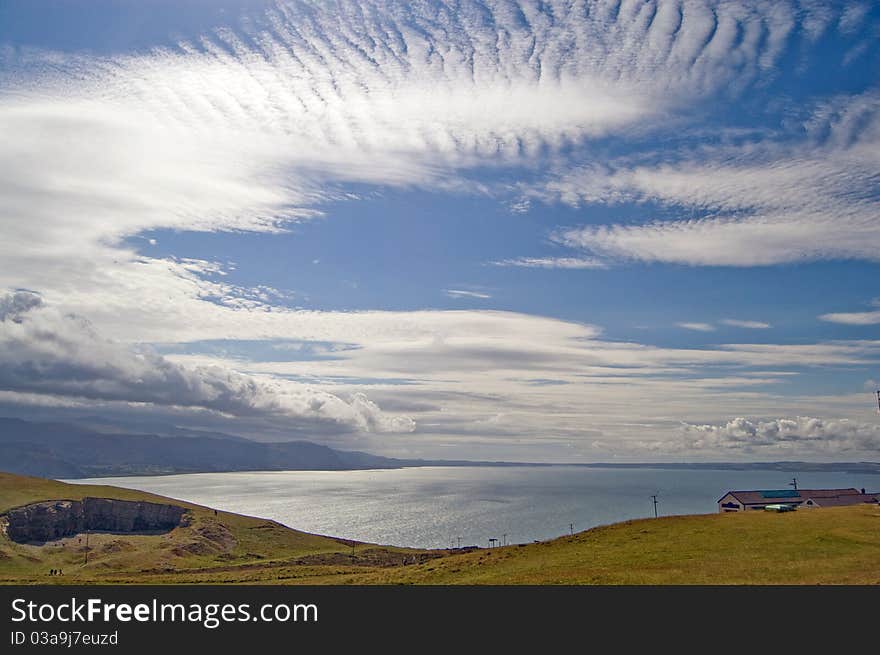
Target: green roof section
(783, 493)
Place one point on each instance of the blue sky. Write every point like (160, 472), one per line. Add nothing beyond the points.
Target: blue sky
(510, 230)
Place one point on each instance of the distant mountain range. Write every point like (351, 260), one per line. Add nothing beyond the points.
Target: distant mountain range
(66, 450)
(93, 449)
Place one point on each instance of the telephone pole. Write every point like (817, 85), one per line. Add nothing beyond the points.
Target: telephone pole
(655, 505)
(793, 483)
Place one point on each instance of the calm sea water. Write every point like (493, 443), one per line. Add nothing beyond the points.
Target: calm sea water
(432, 507)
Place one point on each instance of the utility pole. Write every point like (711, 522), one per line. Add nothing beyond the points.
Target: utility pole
(459, 542)
(571, 529)
(655, 505)
(504, 539)
(793, 483)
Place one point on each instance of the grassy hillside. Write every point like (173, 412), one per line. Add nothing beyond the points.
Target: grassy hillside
(821, 546)
(213, 547)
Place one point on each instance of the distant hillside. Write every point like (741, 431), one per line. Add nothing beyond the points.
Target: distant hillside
(783, 467)
(61, 450)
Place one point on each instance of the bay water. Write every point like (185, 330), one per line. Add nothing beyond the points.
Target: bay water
(441, 507)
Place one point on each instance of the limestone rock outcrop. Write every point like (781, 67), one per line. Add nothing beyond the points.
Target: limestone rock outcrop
(53, 519)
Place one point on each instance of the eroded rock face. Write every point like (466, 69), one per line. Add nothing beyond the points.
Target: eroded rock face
(54, 519)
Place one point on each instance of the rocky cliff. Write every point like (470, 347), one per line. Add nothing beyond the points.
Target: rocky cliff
(54, 519)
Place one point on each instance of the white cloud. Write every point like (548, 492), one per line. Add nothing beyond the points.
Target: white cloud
(250, 128)
(628, 392)
(791, 436)
(553, 262)
(49, 353)
(259, 122)
(852, 17)
(854, 318)
(699, 327)
(459, 293)
(451, 369)
(749, 325)
(763, 203)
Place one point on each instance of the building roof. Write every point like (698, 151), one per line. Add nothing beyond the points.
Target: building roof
(768, 497)
(846, 499)
(827, 493)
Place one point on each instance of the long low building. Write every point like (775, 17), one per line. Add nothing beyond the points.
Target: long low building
(837, 501)
(739, 501)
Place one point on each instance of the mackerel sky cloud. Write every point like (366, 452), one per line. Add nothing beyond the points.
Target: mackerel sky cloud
(383, 222)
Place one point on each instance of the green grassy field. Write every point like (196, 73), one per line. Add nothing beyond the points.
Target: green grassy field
(821, 546)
